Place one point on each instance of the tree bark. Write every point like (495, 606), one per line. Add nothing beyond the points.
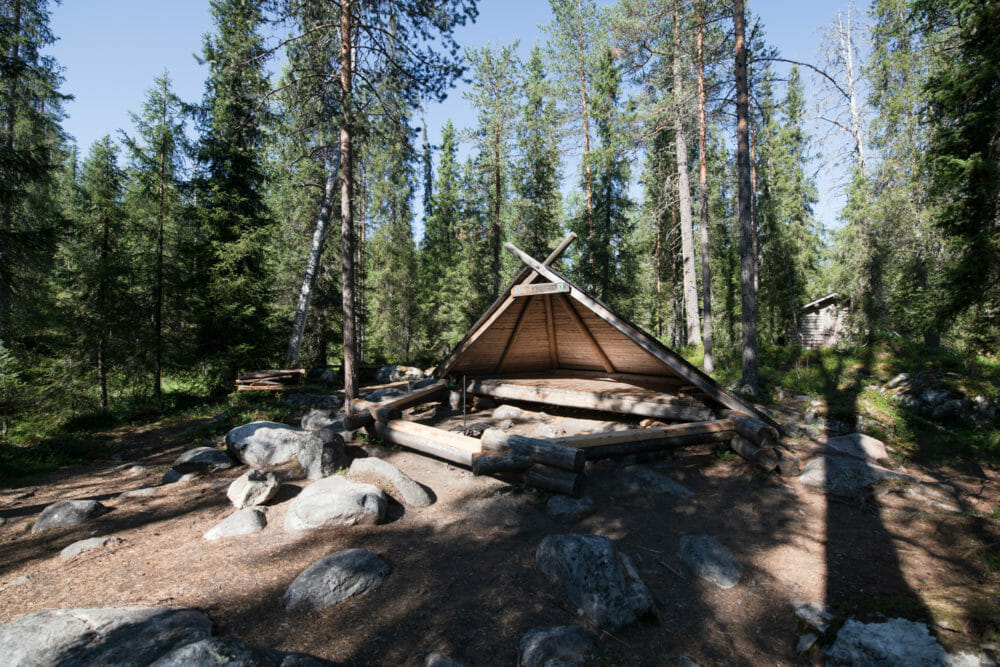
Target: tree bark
(748, 260)
(6, 211)
(692, 327)
(312, 269)
(346, 208)
(158, 278)
(588, 188)
(706, 270)
(496, 231)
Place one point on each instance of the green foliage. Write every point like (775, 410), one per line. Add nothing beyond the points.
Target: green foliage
(963, 156)
(234, 271)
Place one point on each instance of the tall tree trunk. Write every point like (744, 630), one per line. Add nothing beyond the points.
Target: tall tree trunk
(346, 208)
(495, 228)
(748, 261)
(693, 328)
(588, 187)
(158, 284)
(659, 279)
(103, 305)
(312, 269)
(362, 264)
(706, 270)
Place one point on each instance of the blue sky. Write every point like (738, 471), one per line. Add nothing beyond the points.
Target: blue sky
(112, 49)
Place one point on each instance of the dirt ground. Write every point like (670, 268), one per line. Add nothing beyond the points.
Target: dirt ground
(464, 580)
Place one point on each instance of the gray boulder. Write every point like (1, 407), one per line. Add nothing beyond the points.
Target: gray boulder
(172, 476)
(860, 446)
(846, 476)
(262, 444)
(646, 480)
(335, 578)
(710, 560)
(563, 646)
(598, 579)
(317, 419)
(80, 546)
(241, 522)
(412, 494)
(67, 513)
(143, 491)
(202, 460)
(126, 636)
(321, 453)
(894, 642)
(252, 488)
(219, 651)
(438, 659)
(336, 501)
(564, 508)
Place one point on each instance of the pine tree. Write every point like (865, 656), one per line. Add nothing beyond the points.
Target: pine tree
(234, 326)
(536, 226)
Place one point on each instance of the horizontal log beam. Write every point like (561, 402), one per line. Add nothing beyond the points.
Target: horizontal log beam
(446, 445)
(588, 400)
(556, 479)
(539, 450)
(492, 463)
(538, 288)
(636, 441)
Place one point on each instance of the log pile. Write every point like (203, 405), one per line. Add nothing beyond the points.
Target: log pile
(269, 380)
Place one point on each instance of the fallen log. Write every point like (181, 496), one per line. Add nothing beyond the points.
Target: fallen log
(556, 479)
(639, 440)
(664, 408)
(753, 429)
(490, 464)
(765, 457)
(446, 445)
(540, 451)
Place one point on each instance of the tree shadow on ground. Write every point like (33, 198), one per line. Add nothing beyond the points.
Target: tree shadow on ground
(864, 582)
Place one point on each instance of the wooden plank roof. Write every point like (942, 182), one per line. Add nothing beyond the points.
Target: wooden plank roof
(570, 331)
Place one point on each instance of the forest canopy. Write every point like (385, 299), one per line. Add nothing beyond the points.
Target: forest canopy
(202, 242)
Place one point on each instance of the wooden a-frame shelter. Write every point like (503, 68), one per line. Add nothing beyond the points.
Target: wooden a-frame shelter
(546, 340)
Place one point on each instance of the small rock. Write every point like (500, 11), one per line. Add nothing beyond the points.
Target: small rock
(545, 431)
(438, 659)
(217, 651)
(254, 487)
(380, 395)
(504, 412)
(241, 522)
(860, 446)
(135, 470)
(646, 480)
(336, 501)
(317, 419)
(80, 546)
(794, 429)
(475, 430)
(202, 460)
(562, 646)
(817, 616)
(335, 578)
(67, 513)
(412, 494)
(596, 577)
(846, 476)
(143, 491)
(806, 642)
(564, 508)
(21, 581)
(894, 642)
(321, 453)
(172, 476)
(932, 396)
(710, 560)
(898, 380)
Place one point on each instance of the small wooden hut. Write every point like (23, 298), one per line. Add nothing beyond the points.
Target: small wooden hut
(822, 322)
(547, 341)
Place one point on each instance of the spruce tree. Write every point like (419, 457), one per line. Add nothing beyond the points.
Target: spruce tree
(157, 154)
(31, 143)
(536, 226)
(233, 318)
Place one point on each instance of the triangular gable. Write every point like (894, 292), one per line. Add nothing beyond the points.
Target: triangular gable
(571, 331)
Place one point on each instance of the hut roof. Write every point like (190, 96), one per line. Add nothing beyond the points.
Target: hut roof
(544, 323)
